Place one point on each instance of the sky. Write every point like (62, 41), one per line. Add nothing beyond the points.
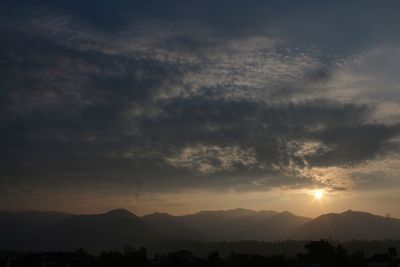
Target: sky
(180, 106)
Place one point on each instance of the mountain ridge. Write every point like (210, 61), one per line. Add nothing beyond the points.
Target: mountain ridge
(119, 227)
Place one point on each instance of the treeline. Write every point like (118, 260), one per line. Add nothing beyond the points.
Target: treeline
(289, 248)
(317, 253)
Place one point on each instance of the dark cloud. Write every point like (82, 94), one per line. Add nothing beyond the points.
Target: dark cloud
(337, 26)
(204, 101)
(356, 143)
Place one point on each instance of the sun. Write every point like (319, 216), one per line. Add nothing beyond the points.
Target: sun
(318, 194)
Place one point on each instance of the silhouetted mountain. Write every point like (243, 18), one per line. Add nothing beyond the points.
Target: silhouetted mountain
(18, 228)
(111, 230)
(273, 228)
(116, 228)
(224, 224)
(349, 225)
(172, 227)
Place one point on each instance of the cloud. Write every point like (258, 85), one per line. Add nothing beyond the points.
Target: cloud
(209, 159)
(194, 101)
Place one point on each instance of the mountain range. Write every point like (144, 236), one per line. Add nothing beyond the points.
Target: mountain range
(116, 228)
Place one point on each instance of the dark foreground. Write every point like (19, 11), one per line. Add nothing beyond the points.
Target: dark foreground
(317, 253)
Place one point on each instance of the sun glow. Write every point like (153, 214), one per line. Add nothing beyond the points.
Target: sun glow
(318, 194)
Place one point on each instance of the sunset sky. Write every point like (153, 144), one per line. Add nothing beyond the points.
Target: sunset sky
(179, 106)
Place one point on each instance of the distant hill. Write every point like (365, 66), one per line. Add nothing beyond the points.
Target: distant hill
(272, 228)
(114, 229)
(349, 225)
(111, 230)
(173, 227)
(225, 224)
(17, 229)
